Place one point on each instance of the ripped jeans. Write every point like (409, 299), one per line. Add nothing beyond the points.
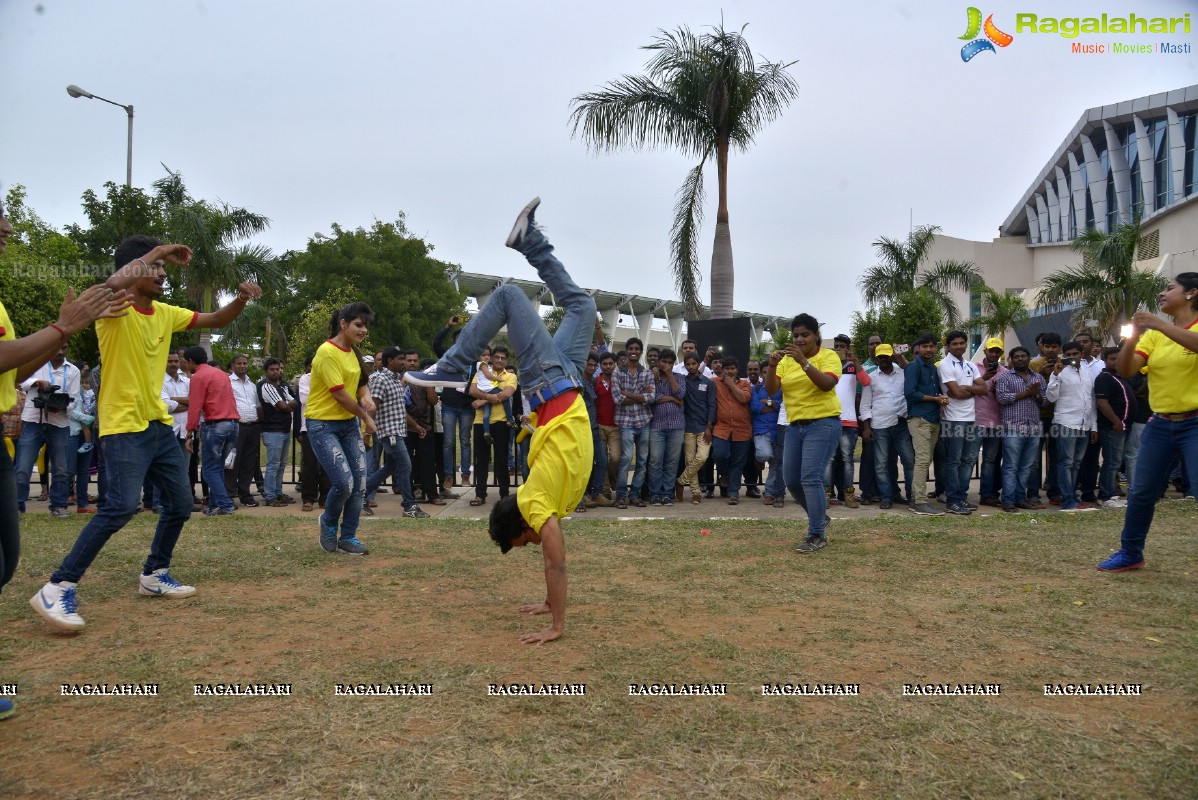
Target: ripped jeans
(338, 446)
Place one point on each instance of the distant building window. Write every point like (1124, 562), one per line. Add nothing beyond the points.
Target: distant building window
(1188, 125)
(1162, 172)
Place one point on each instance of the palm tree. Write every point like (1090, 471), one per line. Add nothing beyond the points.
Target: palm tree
(899, 274)
(220, 259)
(1106, 286)
(1000, 311)
(704, 95)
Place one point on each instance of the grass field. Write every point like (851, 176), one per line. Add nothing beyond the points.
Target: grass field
(1006, 599)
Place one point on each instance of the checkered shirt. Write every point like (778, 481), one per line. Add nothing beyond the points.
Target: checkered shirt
(388, 392)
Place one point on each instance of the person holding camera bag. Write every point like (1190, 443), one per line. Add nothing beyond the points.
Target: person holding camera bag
(52, 390)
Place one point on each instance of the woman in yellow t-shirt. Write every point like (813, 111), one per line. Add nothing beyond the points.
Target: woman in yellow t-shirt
(1170, 353)
(339, 405)
(20, 358)
(807, 374)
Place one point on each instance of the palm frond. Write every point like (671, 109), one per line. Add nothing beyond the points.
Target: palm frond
(684, 240)
(945, 276)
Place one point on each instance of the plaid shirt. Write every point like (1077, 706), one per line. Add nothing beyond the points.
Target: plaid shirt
(633, 415)
(1019, 416)
(388, 393)
(667, 415)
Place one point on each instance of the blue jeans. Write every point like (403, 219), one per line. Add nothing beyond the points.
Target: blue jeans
(1019, 450)
(56, 440)
(897, 439)
(730, 458)
(1132, 452)
(543, 359)
(10, 519)
(1114, 445)
(775, 484)
(665, 450)
(457, 423)
(276, 452)
(397, 464)
(990, 483)
(1161, 442)
(961, 444)
(1071, 448)
(78, 464)
(338, 446)
(846, 443)
(131, 459)
(216, 440)
(629, 436)
(599, 470)
(809, 448)
(1045, 478)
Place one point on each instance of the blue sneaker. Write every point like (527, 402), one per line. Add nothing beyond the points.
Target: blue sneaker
(86, 447)
(524, 223)
(328, 538)
(438, 374)
(1120, 562)
(6, 707)
(352, 547)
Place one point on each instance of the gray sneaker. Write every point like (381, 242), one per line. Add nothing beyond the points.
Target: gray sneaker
(927, 510)
(959, 509)
(812, 544)
(60, 513)
(352, 547)
(523, 222)
(415, 512)
(328, 539)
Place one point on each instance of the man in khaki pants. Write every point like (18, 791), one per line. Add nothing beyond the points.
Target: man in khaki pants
(924, 401)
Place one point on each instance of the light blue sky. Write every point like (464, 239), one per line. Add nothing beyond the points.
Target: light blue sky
(456, 113)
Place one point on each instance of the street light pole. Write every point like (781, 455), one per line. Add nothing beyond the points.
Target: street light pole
(75, 91)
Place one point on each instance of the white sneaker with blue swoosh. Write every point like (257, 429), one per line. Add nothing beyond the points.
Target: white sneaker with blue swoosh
(159, 583)
(57, 604)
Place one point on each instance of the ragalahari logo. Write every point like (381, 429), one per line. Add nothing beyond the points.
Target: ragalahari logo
(993, 34)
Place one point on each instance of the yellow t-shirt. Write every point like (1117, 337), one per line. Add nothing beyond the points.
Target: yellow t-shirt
(559, 466)
(133, 351)
(1172, 373)
(506, 381)
(804, 400)
(8, 380)
(332, 368)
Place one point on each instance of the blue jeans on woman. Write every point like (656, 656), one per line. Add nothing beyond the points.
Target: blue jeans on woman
(809, 448)
(1071, 449)
(338, 446)
(216, 441)
(1020, 449)
(1161, 442)
(665, 450)
(132, 459)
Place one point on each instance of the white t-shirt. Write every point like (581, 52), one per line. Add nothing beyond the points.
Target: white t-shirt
(963, 373)
(846, 390)
(66, 378)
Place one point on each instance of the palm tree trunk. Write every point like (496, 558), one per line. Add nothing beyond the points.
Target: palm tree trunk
(206, 333)
(722, 273)
(266, 347)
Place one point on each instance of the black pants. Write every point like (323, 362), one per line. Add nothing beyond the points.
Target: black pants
(247, 464)
(869, 478)
(424, 464)
(312, 478)
(500, 433)
(10, 518)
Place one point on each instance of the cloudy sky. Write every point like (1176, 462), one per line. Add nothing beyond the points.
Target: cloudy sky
(455, 113)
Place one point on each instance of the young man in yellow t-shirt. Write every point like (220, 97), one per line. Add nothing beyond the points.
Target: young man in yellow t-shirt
(551, 369)
(135, 427)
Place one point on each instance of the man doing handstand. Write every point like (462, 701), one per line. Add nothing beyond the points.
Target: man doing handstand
(551, 368)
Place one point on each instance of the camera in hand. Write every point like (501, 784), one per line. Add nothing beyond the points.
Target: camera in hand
(52, 400)
(1069, 362)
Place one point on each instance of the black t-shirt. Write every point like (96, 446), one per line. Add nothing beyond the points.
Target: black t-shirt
(1116, 391)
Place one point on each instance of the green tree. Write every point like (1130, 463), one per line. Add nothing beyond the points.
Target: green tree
(901, 321)
(311, 327)
(899, 274)
(408, 290)
(705, 95)
(779, 337)
(1107, 286)
(1000, 312)
(123, 211)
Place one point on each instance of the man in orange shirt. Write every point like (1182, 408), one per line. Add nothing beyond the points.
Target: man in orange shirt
(733, 433)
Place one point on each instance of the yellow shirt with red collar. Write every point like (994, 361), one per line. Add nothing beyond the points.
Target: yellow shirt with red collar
(133, 351)
(8, 380)
(1172, 372)
(333, 368)
(559, 460)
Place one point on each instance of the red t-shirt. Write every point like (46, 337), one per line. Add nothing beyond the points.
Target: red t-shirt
(211, 393)
(605, 406)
